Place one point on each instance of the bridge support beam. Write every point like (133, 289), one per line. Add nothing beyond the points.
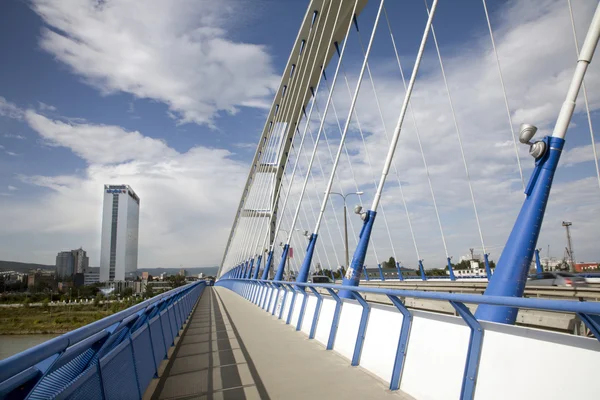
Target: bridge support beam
(353, 273)
(305, 268)
(265, 274)
(281, 269)
(257, 270)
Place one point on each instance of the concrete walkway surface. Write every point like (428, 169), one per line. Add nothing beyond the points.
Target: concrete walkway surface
(232, 349)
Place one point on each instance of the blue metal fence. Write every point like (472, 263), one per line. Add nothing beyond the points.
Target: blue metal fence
(113, 358)
(588, 312)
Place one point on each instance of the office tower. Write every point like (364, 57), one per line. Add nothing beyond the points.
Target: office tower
(120, 222)
(64, 264)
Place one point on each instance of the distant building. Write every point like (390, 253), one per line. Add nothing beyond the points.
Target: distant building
(39, 280)
(201, 275)
(182, 272)
(91, 275)
(120, 226)
(582, 267)
(145, 276)
(64, 265)
(69, 263)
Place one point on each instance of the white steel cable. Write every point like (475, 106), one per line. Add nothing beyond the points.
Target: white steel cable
(314, 215)
(372, 243)
(352, 105)
(455, 120)
(294, 107)
(397, 130)
(585, 97)
(322, 123)
(308, 118)
(512, 130)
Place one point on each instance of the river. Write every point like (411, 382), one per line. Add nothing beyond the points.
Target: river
(13, 344)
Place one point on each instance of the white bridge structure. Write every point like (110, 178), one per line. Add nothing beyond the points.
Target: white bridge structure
(381, 105)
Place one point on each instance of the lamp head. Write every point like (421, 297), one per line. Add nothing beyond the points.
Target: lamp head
(360, 192)
(357, 209)
(526, 133)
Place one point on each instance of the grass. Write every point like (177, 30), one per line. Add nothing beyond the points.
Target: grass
(31, 320)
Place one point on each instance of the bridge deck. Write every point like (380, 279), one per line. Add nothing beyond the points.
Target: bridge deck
(234, 350)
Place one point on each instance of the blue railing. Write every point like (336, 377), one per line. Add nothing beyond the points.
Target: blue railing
(113, 358)
(588, 312)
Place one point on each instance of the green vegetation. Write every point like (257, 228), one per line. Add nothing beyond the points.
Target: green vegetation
(57, 319)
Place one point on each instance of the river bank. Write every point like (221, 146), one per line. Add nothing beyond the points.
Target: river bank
(52, 320)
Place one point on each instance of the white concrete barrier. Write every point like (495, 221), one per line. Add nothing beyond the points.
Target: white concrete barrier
(515, 363)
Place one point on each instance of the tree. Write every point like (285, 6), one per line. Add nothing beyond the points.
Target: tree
(390, 263)
(149, 292)
(128, 292)
(98, 299)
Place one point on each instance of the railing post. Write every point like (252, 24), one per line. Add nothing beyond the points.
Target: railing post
(451, 270)
(402, 343)
(381, 273)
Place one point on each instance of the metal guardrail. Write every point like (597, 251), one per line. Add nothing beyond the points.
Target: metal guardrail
(113, 358)
(588, 312)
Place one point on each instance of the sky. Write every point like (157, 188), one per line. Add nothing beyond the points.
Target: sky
(170, 98)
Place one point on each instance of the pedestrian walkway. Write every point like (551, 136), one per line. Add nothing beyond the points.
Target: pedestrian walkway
(232, 349)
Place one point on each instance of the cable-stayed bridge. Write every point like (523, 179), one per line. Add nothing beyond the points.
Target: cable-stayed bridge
(374, 109)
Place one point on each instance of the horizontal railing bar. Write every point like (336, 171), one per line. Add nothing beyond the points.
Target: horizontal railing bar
(19, 362)
(519, 302)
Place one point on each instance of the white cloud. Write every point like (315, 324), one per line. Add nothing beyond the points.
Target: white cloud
(187, 199)
(14, 136)
(11, 153)
(45, 107)
(12, 188)
(8, 109)
(177, 52)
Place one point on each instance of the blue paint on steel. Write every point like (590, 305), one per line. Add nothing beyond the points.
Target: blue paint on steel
(281, 269)
(473, 354)
(249, 274)
(488, 270)
(352, 277)
(56, 368)
(511, 270)
(584, 307)
(381, 272)
(422, 269)
(315, 13)
(399, 271)
(257, 270)
(302, 310)
(292, 303)
(305, 268)
(362, 328)
(592, 322)
(538, 264)
(402, 343)
(366, 274)
(451, 270)
(268, 264)
(313, 327)
(336, 318)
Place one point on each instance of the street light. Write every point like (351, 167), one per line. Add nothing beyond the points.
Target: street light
(346, 222)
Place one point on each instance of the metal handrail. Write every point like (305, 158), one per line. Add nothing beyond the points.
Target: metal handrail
(17, 363)
(519, 302)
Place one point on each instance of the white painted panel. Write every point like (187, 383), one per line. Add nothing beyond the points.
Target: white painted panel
(437, 352)
(279, 302)
(531, 359)
(381, 341)
(325, 320)
(261, 290)
(288, 304)
(345, 340)
(276, 301)
(296, 311)
(309, 312)
(266, 297)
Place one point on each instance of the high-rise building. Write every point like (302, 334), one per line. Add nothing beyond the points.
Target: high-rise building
(69, 263)
(64, 264)
(120, 223)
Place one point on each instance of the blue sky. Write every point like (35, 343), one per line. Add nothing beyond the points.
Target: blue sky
(171, 99)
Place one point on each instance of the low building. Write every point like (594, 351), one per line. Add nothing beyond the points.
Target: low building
(91, 275)
(120, 286)
(583, 267)
(40, 281)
